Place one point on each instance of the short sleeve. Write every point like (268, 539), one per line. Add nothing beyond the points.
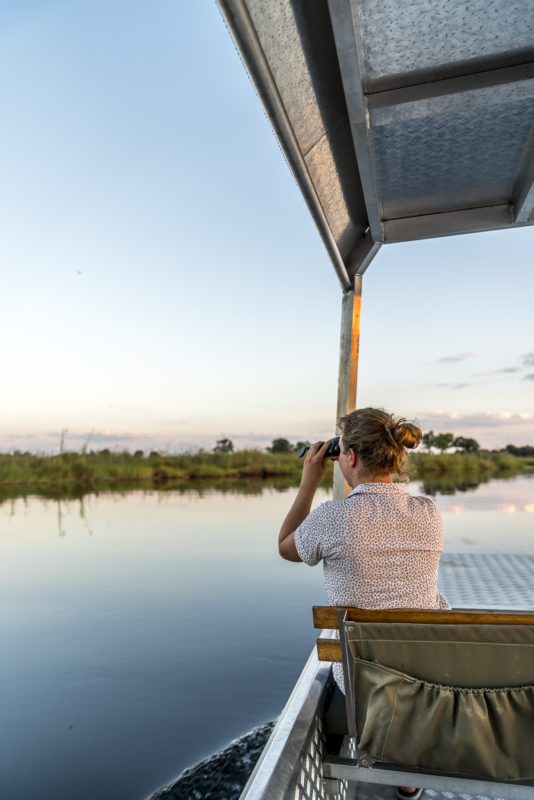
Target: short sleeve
(309, 536)
(442, 601)
(434, 524)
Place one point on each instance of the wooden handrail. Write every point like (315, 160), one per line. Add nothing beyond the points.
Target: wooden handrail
(328, 649)
(326, 616)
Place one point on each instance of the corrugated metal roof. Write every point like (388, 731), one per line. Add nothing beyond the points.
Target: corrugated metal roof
(400, 119)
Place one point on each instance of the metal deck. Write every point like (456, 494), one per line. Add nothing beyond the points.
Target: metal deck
(485, 580)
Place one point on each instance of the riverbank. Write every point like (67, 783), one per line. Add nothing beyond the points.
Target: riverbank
(120, 469)
(107, 470)
(484, 463)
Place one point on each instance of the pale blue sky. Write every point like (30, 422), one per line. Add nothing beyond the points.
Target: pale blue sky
(163, 284)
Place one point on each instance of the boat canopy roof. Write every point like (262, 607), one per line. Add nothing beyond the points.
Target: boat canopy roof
(400, 119)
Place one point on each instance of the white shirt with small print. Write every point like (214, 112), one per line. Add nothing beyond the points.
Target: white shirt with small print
(380, 548)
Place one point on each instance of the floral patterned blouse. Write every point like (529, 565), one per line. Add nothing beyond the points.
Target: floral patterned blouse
(380, 548)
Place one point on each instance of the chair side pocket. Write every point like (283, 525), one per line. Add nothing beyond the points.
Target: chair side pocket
(477, 732)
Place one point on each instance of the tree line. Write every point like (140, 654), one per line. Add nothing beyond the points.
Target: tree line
(277, 446)
(431, 440)
(444, 441)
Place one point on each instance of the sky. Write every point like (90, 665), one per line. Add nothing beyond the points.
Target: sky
(163, 284)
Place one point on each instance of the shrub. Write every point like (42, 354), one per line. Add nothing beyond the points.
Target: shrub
(280, 446)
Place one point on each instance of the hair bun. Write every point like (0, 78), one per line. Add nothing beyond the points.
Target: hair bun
(379, 440)
(407, 434)
(389, 430)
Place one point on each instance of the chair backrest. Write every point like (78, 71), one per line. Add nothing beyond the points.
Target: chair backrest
(326, 617)
(445, 691)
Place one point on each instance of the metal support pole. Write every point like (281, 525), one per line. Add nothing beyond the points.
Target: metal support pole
(348, 366)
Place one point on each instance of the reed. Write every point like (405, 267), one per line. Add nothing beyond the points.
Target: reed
(469, 465)
(105, 469)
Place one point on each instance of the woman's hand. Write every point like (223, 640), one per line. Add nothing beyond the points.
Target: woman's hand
(314, 467)
(313, 471)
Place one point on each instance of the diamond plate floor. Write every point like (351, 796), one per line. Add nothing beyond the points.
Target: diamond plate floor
(484, 580)
(492, 580)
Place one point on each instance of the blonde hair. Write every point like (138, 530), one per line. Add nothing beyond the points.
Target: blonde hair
(379, 439)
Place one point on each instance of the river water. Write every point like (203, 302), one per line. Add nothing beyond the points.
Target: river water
(142, 631)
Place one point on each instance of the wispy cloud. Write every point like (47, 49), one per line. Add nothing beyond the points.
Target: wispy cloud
(316, 431)
(480, 419)
(135, 409)
(111, 437)
(98, 436)
(503, 371)
(173, 423)
(455, 357)
(529, 377)
(453, 385)
(528, 359)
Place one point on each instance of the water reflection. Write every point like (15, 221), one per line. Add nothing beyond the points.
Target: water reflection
(443, 485)
(505, 496)
(202, 488)
(437, 488)
(431, 486)
(137, 629)
(136, 635)
(452, 484)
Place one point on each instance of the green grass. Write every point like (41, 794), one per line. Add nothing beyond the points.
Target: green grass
(452, 472)
(98, 470)
(94, 470)
(483, 464)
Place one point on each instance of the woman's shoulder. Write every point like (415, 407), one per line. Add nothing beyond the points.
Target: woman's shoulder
(425, 504)
(332, 508)
(426, 515)
(424, 500)
(330, 517)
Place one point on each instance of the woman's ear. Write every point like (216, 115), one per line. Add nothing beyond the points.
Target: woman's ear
(353, 458)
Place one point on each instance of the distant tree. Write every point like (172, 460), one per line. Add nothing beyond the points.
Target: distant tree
(467, 445)
(154, 454)
(525, 450)
(138, 454)
(62, 439)
(443, 441)
(299, 445)
(280, 446)
(428, 440)
(224, 446)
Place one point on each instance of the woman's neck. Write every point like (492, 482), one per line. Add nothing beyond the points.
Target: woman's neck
(360, 476)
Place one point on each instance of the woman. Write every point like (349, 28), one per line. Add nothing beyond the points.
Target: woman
(380, 546)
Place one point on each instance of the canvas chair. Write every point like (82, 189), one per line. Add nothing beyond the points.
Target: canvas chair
(437, 699)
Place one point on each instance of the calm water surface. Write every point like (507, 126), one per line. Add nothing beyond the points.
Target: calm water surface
(138, 630)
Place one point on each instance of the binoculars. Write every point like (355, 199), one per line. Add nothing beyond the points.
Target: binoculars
(332, 451)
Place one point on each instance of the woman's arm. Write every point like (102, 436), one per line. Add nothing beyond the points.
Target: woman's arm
(313, 472)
